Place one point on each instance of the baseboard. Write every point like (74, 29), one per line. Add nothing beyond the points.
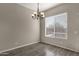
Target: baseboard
(18, 47)
(60, 46)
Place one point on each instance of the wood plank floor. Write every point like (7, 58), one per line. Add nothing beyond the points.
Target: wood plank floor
(40, 49)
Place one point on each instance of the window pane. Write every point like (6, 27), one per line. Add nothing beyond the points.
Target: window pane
(56, 26)
(49, 26)
(61, 23)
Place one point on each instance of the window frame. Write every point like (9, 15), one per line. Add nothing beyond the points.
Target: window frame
(65, 13)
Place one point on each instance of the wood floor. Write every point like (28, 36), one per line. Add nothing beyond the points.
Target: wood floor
(40, 49)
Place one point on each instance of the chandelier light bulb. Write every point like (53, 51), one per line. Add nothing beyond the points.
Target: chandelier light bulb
(42, 13)
(32, 14)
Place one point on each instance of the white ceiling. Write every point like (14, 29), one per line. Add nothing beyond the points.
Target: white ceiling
(42, 6)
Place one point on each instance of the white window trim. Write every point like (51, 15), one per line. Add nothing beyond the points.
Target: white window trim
(59, 32)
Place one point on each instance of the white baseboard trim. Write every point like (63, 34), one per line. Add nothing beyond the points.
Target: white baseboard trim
(61, 46)
(18, 47)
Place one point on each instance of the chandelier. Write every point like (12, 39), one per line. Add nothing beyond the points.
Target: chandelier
(38, 15)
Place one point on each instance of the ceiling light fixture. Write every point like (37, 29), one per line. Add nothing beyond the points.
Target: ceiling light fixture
(38, 15)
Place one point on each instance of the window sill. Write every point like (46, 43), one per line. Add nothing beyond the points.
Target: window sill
(56, 37)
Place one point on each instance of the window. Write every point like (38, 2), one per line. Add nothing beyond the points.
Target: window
(56, 26)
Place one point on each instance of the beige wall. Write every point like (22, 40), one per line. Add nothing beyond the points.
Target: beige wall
(72, 42)
(17, 28)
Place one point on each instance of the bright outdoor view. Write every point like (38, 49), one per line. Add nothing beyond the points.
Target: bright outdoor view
(56, 26)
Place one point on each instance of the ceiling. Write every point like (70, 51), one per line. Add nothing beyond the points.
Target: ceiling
(42, 6)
